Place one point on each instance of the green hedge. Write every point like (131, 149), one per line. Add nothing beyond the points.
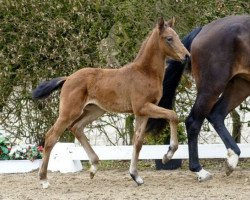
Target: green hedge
(42, 39)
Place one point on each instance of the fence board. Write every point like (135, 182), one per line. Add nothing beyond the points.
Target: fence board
(66, 157)
(154, 152)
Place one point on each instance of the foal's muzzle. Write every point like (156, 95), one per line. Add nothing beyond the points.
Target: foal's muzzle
(186, 59)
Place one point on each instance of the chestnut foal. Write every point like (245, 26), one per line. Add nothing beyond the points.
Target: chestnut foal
(135, 88)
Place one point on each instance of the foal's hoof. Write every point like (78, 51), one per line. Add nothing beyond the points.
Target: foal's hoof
(231, 162)
(168, 156)
(93, 170)
(137, 179)
(203, 175)
(165, 159)
(91, 175)
(45, 184)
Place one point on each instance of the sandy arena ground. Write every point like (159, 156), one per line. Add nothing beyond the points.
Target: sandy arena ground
(117, 184)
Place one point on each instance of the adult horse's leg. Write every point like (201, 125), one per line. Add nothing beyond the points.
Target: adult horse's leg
(236, 91)
(152, 111)
(204, 104)
(211, 77)
(89, 115)
(140, 125)
(200, 110)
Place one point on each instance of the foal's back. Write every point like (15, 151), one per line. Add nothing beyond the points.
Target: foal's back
(113, 89)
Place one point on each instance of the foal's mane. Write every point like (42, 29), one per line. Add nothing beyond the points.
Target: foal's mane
(144, 44)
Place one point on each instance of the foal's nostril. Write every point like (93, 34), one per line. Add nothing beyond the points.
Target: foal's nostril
(187, 57)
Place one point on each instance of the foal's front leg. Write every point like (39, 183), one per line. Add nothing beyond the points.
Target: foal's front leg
(173, 143)
(140, 125)
(154, 111)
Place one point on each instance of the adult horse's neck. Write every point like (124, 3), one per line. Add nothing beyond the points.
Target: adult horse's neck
(150, 59)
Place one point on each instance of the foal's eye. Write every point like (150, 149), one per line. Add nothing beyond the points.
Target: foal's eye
(169, 39)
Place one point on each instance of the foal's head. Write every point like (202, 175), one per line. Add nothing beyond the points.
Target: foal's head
(170, 43)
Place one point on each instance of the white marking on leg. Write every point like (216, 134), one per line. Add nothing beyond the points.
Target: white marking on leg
(203, 175)
(45, 184)
(169, 155)
(232, 158)
(133, 169)
(93, 169)
(231, 162)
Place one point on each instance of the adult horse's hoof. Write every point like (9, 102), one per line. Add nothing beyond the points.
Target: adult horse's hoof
(45, 184)
(203, 175)
(231, 162)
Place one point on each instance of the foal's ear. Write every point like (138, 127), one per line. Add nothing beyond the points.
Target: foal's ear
(171, 22)
(161, 23)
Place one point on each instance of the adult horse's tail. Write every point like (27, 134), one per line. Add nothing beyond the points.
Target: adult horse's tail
(44, 89)
(171, 81)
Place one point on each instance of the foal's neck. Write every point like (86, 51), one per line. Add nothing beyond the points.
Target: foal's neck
(150, 59)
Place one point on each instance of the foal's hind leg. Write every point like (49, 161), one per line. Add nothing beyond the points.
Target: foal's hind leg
(50, 140)
(236, 91)
(90, 114)
(69, 111)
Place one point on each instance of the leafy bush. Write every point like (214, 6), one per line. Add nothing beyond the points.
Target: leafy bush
(4, 148)
(44, 39)
(18, 152)
(25, 152)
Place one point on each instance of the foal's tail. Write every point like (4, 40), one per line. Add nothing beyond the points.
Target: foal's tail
(171, 80)
(44, 89)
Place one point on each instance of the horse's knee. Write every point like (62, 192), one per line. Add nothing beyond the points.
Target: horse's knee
(173, 117)
(217, 121)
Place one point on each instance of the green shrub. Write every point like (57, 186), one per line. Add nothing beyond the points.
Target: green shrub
(42, 39)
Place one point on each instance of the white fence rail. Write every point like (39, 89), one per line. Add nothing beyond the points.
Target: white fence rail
(66, 157)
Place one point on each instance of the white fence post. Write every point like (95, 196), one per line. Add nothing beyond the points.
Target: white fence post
(60, 159)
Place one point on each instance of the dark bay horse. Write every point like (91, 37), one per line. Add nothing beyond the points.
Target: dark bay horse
(220, 60)
(135, 88)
